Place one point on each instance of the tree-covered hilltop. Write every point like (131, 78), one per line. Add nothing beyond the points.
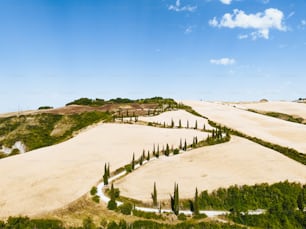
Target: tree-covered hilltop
(101, 102)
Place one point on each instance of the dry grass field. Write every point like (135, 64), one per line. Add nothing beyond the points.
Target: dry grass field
(239, 161)
(176, 116)
(290, 108)
(284, 133)
(52, 177)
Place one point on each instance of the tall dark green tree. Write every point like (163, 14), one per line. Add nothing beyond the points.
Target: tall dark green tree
(157, 152)
(154, 150)
(181, 145)
(185, 145)
(196, 203)
(148, 156)
(133, 162)
(112, 204)
(154, 195)
(187, 124)
(172, 123)
(143, 154)
(180, 124)
(196, 124)
(141, 160)
(167, 152)
(175, 200)
(106, 174)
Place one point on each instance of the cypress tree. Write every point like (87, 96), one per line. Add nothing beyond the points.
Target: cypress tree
(187, 124)
(172, 123)
(106, 174)
(105, 169)
(157, 153)
(112, 202)
(105, 179)
(196, 125)
(175, 200)
(164, 125)
(148, 156)
(141, 160)
(167, 152)
(181, 146)
(153, 149)
(196, 203)
(185, 145)
(180, 124)
(204, 128)
(154, 195)
(133, 162)
(143, 154)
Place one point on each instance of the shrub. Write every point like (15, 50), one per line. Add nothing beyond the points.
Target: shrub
(126, 208)
(200, 216)
(176, 151)
(181, 216)
(96, 198)
(44, 107)
(112, 205)
(93, 190)
(128, 168)
(88, 223)
(147, 215)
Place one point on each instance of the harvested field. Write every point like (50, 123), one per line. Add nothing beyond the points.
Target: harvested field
(52, 177)
(176, 116)
(290, 108)
(239, 161)
(284, 133)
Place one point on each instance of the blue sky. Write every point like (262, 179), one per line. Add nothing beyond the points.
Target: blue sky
(54, 51)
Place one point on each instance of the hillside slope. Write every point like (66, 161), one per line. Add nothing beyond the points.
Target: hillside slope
(49, 178)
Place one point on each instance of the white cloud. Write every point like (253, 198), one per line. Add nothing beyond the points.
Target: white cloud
(227, 2)
(262, 22)
(189, 29)
(303, 22)
(265, 1)
(178, 8)
(243, 36)
(223, 61)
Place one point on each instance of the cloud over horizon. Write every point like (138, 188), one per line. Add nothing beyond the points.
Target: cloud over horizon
(226, 2)
(223, 61)
(262, 22)
(178, 8)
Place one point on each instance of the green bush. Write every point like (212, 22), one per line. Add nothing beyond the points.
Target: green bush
(93, 190)
(182, 217)
(112, 205)
(128, 168)
(199, 216)
(147, 215)
(126, 208)
(96, 198)
(176, 151)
